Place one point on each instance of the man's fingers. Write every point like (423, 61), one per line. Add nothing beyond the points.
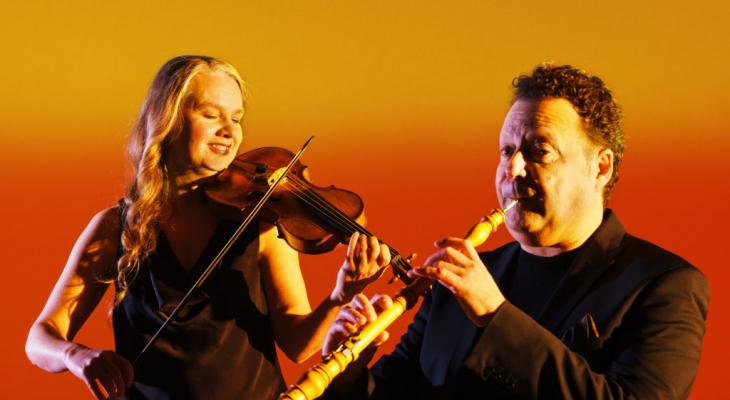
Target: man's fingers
(459, 244)
(439, 272)
(434, 258)
(456, 257)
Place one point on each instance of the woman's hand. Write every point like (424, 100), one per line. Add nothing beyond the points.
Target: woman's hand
(353, 316)
(366, 259)
(105, 373)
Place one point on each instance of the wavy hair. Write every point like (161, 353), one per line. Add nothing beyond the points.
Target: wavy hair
(600, 113)
(160, 120)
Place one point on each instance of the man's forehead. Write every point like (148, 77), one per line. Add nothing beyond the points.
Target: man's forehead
(552, 114)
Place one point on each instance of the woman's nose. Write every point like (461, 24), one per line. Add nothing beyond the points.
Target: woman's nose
(227, 129)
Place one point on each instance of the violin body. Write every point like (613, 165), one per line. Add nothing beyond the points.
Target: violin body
(309, 218)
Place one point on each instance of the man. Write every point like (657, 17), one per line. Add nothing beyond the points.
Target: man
(576, 307)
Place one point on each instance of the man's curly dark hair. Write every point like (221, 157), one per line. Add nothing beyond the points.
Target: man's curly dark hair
(601, 115)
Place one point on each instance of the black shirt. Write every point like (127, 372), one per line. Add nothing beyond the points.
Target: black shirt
(533, 279)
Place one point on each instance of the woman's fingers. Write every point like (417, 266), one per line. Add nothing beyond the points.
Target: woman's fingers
(95, 389)
(383, 255)
(114, 384)
(124, 367)
(366, 256)
(373, 250)
(381, 302)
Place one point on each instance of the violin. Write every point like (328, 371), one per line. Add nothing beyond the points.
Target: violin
(309, 218)
(270, 184)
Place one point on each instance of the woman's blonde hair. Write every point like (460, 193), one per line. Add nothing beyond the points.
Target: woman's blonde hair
(159, 121)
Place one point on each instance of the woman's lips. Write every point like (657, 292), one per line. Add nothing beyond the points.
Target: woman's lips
(221, 149)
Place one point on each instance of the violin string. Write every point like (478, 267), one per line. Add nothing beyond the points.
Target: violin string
(316, 201)
(340, 220)
(319, 203)
(336, 217)
(313, 199)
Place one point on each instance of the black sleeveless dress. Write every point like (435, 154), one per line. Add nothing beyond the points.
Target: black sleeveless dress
(220, 346)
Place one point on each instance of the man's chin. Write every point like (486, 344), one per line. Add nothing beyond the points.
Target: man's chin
(525, 225)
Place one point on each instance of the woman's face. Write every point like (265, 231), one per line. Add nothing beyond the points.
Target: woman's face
(212, 132)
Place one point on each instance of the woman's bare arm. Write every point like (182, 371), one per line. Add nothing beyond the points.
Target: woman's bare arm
(78, 291)
(298, 330)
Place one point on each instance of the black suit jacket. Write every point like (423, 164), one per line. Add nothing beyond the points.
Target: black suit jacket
(627, 321)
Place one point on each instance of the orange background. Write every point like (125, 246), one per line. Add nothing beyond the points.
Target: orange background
(405, 101)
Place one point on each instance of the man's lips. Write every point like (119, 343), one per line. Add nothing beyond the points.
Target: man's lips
(519, 192)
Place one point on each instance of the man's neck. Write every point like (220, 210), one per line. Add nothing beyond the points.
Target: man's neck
(588, 226)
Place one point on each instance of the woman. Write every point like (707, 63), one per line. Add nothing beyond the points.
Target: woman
(158, 239)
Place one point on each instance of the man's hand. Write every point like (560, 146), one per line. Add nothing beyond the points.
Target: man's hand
(458, 267)
(366, 258)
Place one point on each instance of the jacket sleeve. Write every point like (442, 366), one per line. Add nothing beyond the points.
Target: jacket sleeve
(655, 355)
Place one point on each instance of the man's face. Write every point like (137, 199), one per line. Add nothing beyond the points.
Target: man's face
(548, 163)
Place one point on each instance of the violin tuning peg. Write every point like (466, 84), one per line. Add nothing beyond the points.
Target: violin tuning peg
(411, 257)
(394, 278)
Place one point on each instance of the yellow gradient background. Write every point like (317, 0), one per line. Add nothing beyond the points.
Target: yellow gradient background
(405, 100)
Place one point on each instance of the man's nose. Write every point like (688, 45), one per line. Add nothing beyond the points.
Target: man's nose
(517, 165)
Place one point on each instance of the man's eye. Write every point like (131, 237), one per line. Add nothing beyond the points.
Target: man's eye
(541, 154)
(506, 151)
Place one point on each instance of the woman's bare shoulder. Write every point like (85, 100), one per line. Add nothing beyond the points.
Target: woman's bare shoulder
(97, 247)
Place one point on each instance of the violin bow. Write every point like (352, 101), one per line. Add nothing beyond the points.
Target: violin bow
(224, 250)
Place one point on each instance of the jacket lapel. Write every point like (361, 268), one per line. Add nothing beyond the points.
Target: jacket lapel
(592, 261)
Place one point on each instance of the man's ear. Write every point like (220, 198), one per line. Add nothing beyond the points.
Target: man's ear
(604, 173)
